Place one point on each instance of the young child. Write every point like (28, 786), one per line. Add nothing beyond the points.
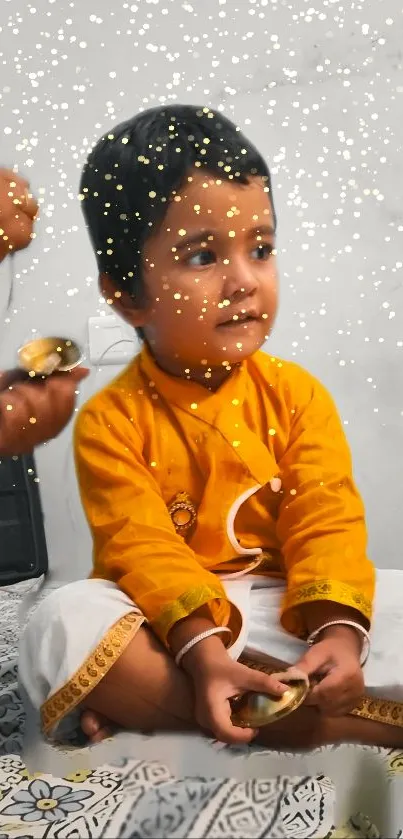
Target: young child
(216, 479)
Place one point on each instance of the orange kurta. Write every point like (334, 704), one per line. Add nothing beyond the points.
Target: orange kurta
(148, 436)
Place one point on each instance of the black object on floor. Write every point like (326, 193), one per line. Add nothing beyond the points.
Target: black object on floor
(23, 551)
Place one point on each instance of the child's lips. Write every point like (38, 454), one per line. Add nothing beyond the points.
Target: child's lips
(238, 322)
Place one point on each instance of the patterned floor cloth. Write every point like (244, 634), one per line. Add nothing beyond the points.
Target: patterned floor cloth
(133, 798)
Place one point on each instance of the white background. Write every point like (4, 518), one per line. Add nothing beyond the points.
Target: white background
(320, 91)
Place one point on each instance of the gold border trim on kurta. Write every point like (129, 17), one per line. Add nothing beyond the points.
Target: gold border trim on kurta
(326, 590)
(224, 613)
(90, 673)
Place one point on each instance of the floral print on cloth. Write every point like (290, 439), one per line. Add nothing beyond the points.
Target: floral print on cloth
(41, 801)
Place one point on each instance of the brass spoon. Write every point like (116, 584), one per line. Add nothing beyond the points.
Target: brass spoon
(45, 356)
(40, 358)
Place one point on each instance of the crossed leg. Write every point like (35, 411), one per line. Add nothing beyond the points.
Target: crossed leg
(145, 691)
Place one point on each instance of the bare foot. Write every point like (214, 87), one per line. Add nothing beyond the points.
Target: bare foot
(95, 726)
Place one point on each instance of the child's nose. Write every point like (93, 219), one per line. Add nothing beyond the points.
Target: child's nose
(240, 280)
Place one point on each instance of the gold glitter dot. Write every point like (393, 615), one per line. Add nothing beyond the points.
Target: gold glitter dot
(152, 194)
(293, 491)
(235, 401)
(177, 296)
(153, 463)
(32, 420)
(182, 232)
(236, 443)
(194, 406)
(272, 432)
(9, 407)
(231, 234)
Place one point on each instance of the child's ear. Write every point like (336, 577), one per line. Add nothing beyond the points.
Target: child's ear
(122, 303)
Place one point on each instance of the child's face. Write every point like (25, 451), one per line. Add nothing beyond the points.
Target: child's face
(210, 276)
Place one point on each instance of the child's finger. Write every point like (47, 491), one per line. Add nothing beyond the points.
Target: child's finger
(262, 683)
(314, 661)
(336, 695)
(218, 720)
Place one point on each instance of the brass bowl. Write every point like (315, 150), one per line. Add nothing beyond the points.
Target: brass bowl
(45, 356)
(255, 710)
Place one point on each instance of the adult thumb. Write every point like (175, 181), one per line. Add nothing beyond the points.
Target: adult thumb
(78, 373)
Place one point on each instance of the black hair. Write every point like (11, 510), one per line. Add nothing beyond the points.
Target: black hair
(134, 170)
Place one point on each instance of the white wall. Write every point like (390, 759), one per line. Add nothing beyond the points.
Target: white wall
(321, 93)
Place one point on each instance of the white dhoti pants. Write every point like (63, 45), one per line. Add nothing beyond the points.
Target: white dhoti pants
(77, 633)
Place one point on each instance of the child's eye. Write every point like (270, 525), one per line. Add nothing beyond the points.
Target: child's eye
(263, 252)
(202, 257)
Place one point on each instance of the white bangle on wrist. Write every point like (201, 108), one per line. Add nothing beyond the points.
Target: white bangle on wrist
(215, 630)
(357, 626)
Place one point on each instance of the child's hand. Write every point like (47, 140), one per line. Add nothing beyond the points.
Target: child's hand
(336, 661)
(17, 213)
(217, 679)
(34, 412)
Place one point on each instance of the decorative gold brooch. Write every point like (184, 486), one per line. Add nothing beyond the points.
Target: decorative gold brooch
(182, 512)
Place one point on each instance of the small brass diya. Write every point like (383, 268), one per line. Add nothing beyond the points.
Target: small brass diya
(256, 710)
(45, 356)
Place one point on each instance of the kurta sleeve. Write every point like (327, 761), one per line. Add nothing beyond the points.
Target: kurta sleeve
(321, 522)
(134, 541)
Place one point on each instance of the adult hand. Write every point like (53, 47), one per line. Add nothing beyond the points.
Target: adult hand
(18, 210)
(32, 412)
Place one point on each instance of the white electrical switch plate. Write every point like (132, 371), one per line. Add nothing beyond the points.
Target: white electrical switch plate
(111, 341)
